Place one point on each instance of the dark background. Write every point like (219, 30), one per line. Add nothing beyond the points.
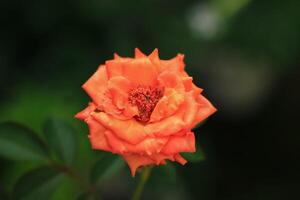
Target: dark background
(244, 53)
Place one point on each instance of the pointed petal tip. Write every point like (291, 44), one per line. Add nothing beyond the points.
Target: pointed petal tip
(138, 53)
(78, 116)
(181, 56)
(154, 54)
(116, 56)
(180, 159)
(132, 172)
(214, 109)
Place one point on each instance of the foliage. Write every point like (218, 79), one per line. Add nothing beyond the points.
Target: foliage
(56, 153)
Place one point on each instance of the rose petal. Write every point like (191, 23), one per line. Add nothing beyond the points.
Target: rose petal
(86, 112)
(109, 107)
(180, 159)
(130, 111)
(115, 67)
(96, 85)
(174, 64)
(167, 105)
(135, 161)
(128, 130)
(177, 144)
(191, 110)
(119, 86)
(170, 79)
(97, 137)
(140, 72)
(205, 109)
(161, 158)
(147, 146)
(138, 53)
(182, 119)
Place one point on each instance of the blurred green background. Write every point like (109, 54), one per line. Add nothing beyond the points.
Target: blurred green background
(244, 53)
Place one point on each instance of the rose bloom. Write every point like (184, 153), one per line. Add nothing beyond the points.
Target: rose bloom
(143, 109)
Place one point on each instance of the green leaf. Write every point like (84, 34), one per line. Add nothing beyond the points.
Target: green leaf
(107, 166)
(3, 194)
(198, 156)
(61, 138)
(90, 196)
(37, 184)
(17, 142)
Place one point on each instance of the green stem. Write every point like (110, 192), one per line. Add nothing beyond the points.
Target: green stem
(140, 187)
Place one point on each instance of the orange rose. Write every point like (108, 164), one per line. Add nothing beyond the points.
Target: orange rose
(143, 109)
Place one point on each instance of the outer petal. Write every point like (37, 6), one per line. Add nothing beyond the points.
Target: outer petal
(138, 53)
(148, 146)
(174, 64)
(180, 159)
(134, 161)
(140, 72)
(205, 109)
(128, 130)
(86, 112)
(166, 127)
(177, 144)
(115, 67)
(189, 85)
(96, 85)
(161, 158)
(191, 110)
(97, 138)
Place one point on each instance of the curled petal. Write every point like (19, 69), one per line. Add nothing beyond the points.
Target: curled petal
(119, 86)
(166, 126)
(189, 85)
(130, 111)
(191, 109)
(174, 64)
(128, 130)
(205, 109)
(96, 85)
(161, 158)
(169, 79)
(109, 107)
(97, 137)
(180, 159)
(181, 120)
(114, 67)
(135, 161)
(167, 105)
(147, 146)
(180, 143)
(86, 112)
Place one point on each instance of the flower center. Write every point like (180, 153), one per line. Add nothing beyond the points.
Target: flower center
(145, 98)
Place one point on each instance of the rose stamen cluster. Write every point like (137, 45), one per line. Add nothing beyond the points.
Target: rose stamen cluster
(145, 98)
(144, 109)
